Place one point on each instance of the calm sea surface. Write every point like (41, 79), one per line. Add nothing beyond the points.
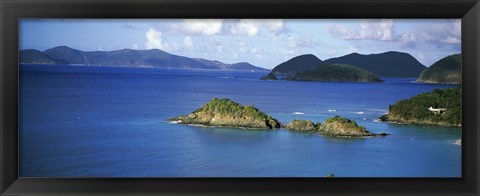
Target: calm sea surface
(78, 121)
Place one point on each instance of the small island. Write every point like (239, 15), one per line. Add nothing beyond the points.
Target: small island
(343, 127)
(439, 107)
(332, 127)
(335, 73)
(302, 126)
(227, 113)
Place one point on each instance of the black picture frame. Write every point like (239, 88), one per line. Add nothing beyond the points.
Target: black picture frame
(12, 10)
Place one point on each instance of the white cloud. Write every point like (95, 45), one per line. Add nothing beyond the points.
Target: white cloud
(420, 56)
(242, 46)
(154, 39)
(187, 41)
(134, 47)
(219, 49)
(382, 30)
(331, 52)
(200, 26)
(245, 27)
(274, 25)
(291, 42)
(251, 27)
(352, 49)
(443, 34)
(235, 55)
(303, 41)
(439, 34)
(408, 39)
(450, 40)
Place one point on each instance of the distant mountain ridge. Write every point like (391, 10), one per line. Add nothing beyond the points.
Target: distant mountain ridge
(388, 64)
(126, 57)
(308, 67)
(37, 57)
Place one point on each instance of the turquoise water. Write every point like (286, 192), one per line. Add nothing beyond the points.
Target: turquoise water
(110, 122)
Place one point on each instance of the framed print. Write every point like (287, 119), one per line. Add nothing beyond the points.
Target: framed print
(222, 97)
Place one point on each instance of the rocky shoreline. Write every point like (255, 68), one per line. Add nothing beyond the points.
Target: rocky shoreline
(332, 127)
(227, 113)
(446, 110)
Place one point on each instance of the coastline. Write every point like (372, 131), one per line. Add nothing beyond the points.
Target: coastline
(403, 122)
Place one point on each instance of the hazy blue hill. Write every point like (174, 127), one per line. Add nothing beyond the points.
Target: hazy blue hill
(246, 66)
(297, 64)
(149, 58)
(336, 73)
(37, 57)
(387, 64)
(67, 54)
(447, 70)
(226, 66)
(213, 63)
(126, 57)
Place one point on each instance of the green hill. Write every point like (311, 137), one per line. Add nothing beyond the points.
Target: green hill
(225, 112)
(416, 109)
(388, 64)
(447, 70)
(310, 68)
(297, 64)
(336, 73)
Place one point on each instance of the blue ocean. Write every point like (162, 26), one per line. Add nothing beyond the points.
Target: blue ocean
(92, 121)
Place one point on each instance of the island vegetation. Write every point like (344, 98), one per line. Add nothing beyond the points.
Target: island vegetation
(336, 73)
(269, 76)
(447, 71)
(297, 64)
(343, 127)
(332, 127)
(227, 113)
(302, 126)
(310, 68)
(439, 107)
(330, 175)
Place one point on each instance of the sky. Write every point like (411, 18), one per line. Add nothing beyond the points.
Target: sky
(261, 42)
